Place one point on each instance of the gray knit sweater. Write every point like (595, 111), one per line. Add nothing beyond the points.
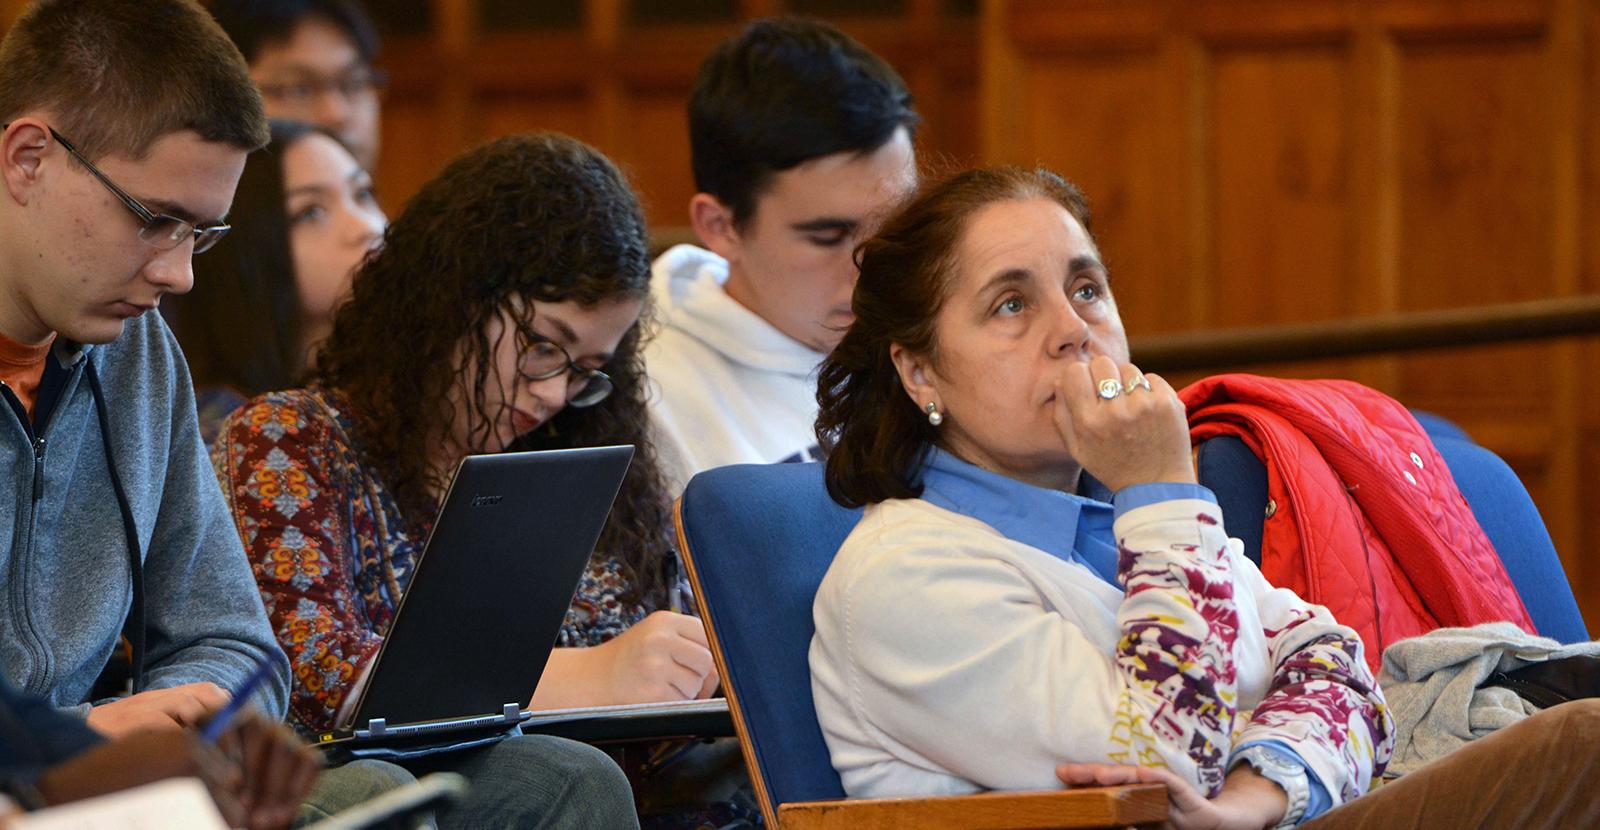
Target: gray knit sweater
(65, 582)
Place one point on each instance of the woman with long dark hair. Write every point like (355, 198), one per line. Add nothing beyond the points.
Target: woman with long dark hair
(504, 310)
(304, 218)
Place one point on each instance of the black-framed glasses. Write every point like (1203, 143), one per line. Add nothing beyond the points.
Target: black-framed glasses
(160, 230)
(539, 358)
(349, 85)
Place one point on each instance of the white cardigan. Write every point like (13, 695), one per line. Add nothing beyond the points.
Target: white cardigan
(948, 658)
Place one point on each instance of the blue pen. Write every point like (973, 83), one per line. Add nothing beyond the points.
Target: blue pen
(220, 722)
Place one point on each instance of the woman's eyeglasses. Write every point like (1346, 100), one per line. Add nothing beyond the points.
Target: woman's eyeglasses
(540, 359)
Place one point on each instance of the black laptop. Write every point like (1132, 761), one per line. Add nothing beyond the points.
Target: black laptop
(491, 589)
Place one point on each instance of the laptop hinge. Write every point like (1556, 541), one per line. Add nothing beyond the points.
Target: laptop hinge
(377, 727)
(512, 713)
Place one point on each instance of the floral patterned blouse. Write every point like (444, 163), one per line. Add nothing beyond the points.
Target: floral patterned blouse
(330, 549)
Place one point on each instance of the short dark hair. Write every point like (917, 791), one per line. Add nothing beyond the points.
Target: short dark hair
(782, 93)
(119, 74)
(254, 24)
(875, 438)
(240, 326)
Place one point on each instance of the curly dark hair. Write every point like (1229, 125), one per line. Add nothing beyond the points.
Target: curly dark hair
(538, 217)
(875, 438)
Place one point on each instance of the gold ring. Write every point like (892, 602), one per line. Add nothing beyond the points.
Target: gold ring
(1109, 388)
(1138, 382)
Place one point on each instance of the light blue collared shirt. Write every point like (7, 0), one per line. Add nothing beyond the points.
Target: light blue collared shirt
(1065, 525)
(1070, 527)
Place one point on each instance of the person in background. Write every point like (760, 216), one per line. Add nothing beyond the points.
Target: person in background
(516, 281)
(313, 60)
(305, 217)
(1040, 593)
(801, 139)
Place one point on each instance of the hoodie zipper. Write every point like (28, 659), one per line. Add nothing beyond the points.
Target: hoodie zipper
(38, 470)
(41, 656)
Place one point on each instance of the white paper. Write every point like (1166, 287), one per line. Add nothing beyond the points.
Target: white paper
(174, 804)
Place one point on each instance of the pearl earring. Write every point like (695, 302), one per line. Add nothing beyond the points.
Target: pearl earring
(933, 415)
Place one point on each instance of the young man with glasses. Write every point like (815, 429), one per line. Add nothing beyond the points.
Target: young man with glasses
(312, 60)
(801, 139)
(123, 129)
(126, 126)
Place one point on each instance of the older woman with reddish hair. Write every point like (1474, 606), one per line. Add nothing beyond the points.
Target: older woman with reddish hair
(1039, 591)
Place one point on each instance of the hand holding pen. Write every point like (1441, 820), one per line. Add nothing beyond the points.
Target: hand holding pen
(274, 769)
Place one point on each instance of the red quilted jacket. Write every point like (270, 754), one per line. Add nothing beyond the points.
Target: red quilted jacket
(1365, 518)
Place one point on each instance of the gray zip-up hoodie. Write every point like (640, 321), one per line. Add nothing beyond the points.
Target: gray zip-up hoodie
(65, 581)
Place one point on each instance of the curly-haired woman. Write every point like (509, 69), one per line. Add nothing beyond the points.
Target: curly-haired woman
(503, 308)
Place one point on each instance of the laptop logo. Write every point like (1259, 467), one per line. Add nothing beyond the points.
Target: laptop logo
(485, 501)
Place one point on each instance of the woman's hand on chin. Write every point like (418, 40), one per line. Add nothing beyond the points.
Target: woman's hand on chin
(1243, 804)
(663, 657)
(1138, 436)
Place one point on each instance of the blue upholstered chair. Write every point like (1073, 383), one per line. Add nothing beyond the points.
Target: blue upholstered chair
(756, 541)
(1497, 498)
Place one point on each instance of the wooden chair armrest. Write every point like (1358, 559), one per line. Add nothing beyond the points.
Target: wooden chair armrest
(1094, 807)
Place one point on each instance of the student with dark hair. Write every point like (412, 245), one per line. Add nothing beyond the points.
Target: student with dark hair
(313, 60)
(503, 311)
(115, 176)
(305, 217)
(801, 139)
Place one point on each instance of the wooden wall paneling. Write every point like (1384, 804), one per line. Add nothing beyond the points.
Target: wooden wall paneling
(566, 111)
(923, 77)
(752, 9)
(456, 22)
(615, 85)
(655, 149)
(1375, 186)
(1302, 159)
(999, 86)
(1475, 228)
(1280, 200)
(1568, 72)
(412, 150)
(1280, 208)
(602, 33)
(10, 10)
(1081, 120)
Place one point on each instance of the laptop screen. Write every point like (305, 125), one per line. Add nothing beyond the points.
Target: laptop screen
(493, 584)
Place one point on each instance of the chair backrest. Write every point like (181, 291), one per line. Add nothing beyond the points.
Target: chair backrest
(757, 540)
(1498, 500)
(1509, 518)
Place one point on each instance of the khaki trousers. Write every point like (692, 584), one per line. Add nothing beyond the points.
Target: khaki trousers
(1543, 772)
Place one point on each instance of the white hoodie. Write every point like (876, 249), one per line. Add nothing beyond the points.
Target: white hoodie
(727, 387)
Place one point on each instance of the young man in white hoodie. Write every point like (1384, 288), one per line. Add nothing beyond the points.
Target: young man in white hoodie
(802, 142)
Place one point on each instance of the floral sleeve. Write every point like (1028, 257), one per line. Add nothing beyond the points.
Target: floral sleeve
(1323, 702)
(271, 463)
(1178, 622)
